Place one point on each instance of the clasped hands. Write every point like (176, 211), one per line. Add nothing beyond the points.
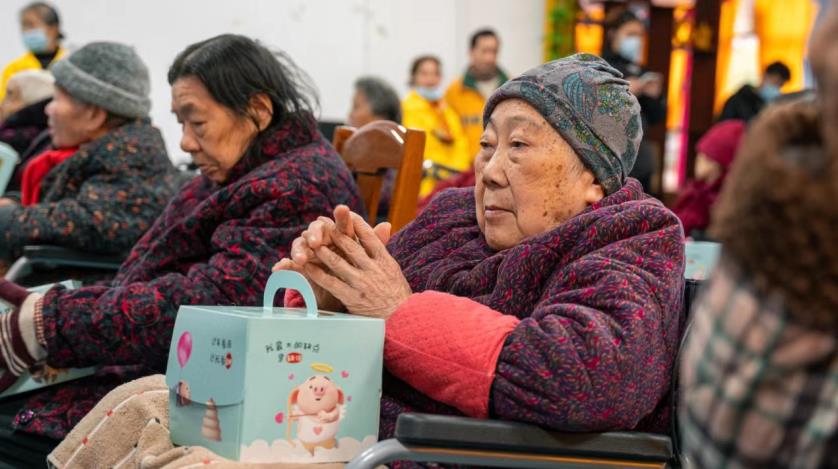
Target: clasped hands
(347, 263)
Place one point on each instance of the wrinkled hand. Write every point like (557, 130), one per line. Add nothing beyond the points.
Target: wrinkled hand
(320, 234)
(359, 274)
(365, 278)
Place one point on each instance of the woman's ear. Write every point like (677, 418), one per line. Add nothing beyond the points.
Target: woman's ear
(262, 110)
(593, 190)
(96, 118)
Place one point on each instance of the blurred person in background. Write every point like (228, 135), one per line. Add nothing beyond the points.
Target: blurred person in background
(625, 43)
(758, 377)
(41, 31)
(468, 94)
(748, 101)
(716, 150)
(374, 99)
(446, 147)
(22, 111)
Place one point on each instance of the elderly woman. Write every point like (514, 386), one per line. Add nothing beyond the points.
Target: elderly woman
(266, 174)
(22, 111)
(108, 176)
(551, 293)
(553, 289)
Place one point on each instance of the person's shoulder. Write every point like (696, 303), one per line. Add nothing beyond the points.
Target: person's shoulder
(456, 86)
(315, 163)
(413, 102)
(636, 211)
(20, 62)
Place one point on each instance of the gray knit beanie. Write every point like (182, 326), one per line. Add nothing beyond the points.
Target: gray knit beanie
(106, 74)
(589, 104)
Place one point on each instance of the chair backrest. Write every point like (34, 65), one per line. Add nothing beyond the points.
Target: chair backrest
(376, 148)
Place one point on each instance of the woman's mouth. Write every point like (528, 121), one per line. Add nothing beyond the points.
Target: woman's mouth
(492, 212)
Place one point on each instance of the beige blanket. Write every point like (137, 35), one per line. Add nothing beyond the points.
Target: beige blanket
(130, 428)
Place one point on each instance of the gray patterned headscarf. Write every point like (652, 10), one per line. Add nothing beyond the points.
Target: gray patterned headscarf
(588, 102)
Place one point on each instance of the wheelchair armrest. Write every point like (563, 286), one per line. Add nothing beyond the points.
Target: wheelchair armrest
(466, 433)
(61, 256)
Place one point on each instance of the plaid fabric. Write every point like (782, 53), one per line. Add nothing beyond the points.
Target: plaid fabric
(757, 390)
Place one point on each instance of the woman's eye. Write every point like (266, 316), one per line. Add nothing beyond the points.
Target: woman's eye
(484, 145)
(518, 144)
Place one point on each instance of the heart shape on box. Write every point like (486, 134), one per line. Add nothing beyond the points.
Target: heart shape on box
(318, 430)
(344, 374)
(279, 417)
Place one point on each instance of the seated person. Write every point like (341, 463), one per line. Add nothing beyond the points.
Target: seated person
(109, 176)
(22, 114)
(266, 172)
(446, 147)
(550, 294)
(758, 377)
(716, 150)
(748, 100)
(374, 100)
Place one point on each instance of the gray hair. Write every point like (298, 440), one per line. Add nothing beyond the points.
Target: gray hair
(35, 85)
(382, 98)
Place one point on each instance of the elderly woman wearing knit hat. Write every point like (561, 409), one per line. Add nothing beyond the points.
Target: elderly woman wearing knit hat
(550, 293)
(108, 176)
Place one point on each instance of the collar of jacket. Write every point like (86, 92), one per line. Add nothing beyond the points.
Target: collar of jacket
(469, 81)
(273, 142)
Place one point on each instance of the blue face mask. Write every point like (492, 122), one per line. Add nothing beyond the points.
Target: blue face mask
(630, 48)
(769, 92)
(431, 94)
(36, 40)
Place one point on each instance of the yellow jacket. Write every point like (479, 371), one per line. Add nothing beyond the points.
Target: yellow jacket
(462, 96)
(419, 113)
(27, 61)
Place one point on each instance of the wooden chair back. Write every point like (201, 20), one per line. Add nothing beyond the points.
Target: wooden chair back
(376, 148)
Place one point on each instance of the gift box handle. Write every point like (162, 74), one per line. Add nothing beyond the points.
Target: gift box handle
(289, 280)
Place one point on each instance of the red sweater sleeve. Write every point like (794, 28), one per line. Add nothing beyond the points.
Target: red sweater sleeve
(447, 347)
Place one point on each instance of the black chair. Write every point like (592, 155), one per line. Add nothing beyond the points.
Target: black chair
(48, 258)
(494, 443)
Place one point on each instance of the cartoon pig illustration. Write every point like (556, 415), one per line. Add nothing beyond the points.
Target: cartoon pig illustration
(316, 405)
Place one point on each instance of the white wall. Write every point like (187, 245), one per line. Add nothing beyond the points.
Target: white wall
(334, 41)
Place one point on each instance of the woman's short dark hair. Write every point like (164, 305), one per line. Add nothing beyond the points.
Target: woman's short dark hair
(382, 98)
(418, 61)
(235, 68)
(47, 13)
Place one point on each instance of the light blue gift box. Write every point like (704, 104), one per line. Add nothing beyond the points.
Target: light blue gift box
(275, 384)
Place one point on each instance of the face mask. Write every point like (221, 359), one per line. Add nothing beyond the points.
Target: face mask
(630, 48)
(431, 94)
(36, 40)
(769, 92)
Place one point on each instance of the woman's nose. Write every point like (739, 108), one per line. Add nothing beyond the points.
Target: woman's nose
(494, 171)
(188, 143)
